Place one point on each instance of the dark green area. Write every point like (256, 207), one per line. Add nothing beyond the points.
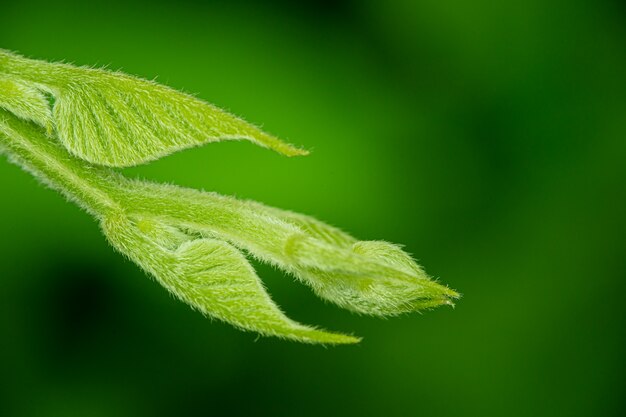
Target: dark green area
(488, 137)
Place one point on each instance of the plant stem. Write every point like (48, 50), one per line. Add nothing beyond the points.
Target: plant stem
(35, 71)
(87, 185)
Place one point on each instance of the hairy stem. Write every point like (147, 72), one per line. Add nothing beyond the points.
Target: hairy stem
(89, 186)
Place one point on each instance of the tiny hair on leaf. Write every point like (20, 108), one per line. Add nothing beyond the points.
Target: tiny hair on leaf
(74, 127)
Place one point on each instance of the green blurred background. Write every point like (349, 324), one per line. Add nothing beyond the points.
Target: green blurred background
(488, 137)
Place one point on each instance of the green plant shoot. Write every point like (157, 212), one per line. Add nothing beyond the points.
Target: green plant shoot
(72, 127)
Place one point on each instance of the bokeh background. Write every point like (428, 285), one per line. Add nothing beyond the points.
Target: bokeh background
(488, 137)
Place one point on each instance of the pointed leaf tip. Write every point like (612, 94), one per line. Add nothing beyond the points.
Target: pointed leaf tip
(117, 120)
(211, 276)
(374, 278)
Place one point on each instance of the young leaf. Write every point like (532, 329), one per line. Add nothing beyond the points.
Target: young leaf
(113, 119)
(99, 116)
(374, 278)
(384, 280)
(25, 101)
(211, 276)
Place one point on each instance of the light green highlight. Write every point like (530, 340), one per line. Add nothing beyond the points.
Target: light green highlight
(71, 126)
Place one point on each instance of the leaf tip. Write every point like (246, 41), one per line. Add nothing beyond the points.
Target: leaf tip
(328, 338)
(298, 152)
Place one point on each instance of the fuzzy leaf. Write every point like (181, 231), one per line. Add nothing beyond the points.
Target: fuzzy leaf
(210, 275)
(369, 277)
(117, 120)
(25, 101)
(374, 278)
(114, 119)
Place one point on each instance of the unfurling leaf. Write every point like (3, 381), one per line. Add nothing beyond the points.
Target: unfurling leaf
(69, 125)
